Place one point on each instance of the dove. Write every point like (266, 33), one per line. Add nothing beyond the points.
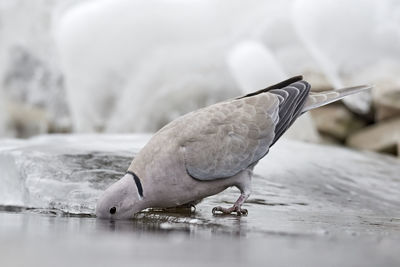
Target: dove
(204, 152)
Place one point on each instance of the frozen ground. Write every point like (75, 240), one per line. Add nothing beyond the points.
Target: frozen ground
(311, 205)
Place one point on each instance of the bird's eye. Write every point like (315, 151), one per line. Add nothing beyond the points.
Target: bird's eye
(113, 210)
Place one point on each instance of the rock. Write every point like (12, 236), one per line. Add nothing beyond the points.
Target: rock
(5, 130)
(397, 150)
(336, 121)
(386, 92)
(381, 137)
(383, 112)
(387, 103)
(27, 120)
(318, 81)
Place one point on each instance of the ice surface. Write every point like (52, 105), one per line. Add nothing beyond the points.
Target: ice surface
(68, 172)
(81, 167)
(311, 205)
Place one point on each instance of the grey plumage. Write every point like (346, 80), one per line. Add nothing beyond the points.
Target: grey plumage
(237, 133)
(205, 151)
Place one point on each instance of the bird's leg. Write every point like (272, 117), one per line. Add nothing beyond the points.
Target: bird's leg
(237, 207)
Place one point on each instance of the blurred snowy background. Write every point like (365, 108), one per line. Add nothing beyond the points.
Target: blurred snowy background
(121, 66)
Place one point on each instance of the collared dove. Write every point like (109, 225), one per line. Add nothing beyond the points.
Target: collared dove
(208, 150)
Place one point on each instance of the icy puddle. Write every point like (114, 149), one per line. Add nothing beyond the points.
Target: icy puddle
(311, 205)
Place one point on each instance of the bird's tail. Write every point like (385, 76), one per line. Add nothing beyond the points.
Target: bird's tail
(318, 99)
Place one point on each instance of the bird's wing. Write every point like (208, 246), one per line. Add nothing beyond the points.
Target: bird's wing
(228, 137)
(224, 139)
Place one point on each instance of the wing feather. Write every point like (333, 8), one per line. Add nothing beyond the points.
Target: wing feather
(229, 137)
(236, 142)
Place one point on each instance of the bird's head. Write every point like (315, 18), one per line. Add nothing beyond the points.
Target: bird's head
(121, 200)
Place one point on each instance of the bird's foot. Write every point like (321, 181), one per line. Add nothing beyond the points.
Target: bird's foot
(226, 211)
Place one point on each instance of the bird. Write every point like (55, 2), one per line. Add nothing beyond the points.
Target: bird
(210, 149)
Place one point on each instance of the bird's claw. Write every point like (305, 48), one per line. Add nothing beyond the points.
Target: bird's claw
(224, 211)
(244, 212)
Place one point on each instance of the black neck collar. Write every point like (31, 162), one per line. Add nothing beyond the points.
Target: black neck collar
(137, 182)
